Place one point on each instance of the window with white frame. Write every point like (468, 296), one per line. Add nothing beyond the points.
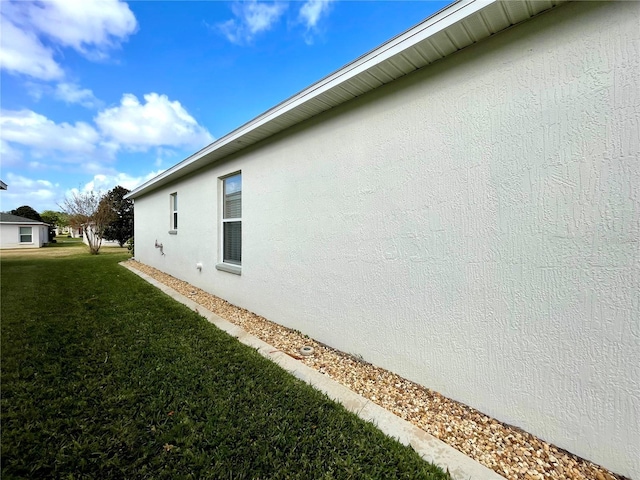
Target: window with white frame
(26, 234)
(232, 219)
(174, 211)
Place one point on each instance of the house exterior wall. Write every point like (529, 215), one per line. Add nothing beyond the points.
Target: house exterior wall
(473, 227)
(68, 230)
(10, 236)
(90, 231)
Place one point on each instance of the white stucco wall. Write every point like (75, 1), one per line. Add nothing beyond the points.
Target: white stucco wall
(473, 227)
(10, 235)
(104, 243)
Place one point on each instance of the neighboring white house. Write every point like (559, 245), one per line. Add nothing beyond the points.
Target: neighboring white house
(88, 230)
(20, 232)
(460, 205)
(74, 232)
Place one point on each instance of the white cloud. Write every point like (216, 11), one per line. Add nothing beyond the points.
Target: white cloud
(310, 14)
(157, 122)
(72, 93)
(312, 10)
(31, 139)
(45, 195)
(30, 129)
(252, 17)
(68, 92)
(38, 194)
(261, 16)
(9, 155)
(90, 27)
(22, 52)
(37, 90)
(19, 182)
(104, 182)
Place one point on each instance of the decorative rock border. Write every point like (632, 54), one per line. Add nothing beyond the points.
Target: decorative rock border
(507, 450)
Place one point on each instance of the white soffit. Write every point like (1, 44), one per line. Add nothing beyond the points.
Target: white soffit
(453, 28)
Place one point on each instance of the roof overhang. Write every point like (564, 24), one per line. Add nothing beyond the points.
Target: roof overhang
(453, 28)
(24, 223)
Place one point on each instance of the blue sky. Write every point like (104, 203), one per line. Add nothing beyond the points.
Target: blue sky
(96, 94)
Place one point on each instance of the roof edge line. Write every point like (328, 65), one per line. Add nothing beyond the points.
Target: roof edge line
(427, 28)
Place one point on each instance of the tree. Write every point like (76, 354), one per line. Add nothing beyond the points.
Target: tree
(54, 219)
(90, 211)
(63, 219)
(121, 228)
(27, 212)
(50, 217)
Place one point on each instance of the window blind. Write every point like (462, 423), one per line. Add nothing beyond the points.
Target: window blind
(232, 220)
(233, 205)
(232, 243)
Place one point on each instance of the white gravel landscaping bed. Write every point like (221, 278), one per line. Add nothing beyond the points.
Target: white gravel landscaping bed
(507, 450)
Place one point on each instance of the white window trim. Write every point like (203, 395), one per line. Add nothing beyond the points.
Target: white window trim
(173, 213)
(222, 265)
(30, 242)
(229, 268)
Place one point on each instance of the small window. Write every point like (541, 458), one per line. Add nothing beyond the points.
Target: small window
(26, 234)
(174, 211)
(232, 219)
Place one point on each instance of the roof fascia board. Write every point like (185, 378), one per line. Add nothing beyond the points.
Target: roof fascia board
(434, 24)
(22, 223)
(387, 50)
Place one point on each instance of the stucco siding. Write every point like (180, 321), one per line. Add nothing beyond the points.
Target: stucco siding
(473, 226)
(10, 236)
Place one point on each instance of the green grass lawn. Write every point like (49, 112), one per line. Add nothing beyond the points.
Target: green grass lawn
(103, 376)
(64, 241)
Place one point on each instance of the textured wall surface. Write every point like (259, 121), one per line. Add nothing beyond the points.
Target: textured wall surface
(473, 227)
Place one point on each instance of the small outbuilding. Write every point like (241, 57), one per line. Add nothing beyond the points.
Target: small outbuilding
(21, 232)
